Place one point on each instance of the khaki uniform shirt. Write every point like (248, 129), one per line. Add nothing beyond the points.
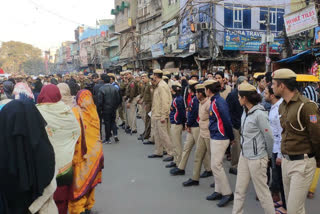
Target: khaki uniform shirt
(204, 108)
(123, 87)
(304, 137)
(147, 94)
(162, 101)
(225, 92)
(132, 90)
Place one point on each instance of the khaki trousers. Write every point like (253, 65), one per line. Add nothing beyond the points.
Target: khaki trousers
(257, 171)
(235, 149)
(218, 149)
(152, 121)
(147, 125)
(121, 113)
(202, 154)
(132, 116)
(175, 133)
(162, 138)
(192, 139)
(297, 177)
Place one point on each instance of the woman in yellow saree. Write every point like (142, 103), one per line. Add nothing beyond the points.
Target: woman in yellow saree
(88, 156)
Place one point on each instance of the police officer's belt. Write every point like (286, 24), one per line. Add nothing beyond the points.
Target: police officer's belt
(297, 157)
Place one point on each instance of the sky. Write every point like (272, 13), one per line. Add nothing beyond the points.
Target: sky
(47, 23)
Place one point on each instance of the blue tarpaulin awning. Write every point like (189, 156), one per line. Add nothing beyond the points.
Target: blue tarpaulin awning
(296, 57)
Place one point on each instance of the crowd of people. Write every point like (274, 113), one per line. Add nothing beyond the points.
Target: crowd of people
(268, 133)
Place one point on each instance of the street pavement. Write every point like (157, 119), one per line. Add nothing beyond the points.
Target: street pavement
(134, 184)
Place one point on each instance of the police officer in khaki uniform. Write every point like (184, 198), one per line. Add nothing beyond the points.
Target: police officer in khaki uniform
(146, 102)
(132, 98)
(300, 145)
(202, 153)
(160, 115)
(193, 132)
(122, 93)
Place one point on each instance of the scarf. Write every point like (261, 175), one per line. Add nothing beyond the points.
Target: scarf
(63, 128)
(66, 95)
(21, 89)
(49, 94)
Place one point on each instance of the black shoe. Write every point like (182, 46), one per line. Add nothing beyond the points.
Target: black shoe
(87, 212)
(128, 131)
(116, 139)
(233, 171)
(225, 200)
(165, 153)
(122, 124)
(177, 171)
(206, 174)
(140, 138)
(106, 142)
(168, 159)
(134, 132)
(212, 185)
(155, 156)
(190, 182)
(170, 165)
(214, 196)
(138, 117)
(148, 143)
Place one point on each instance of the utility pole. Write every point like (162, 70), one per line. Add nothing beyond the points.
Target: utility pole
(268, 34)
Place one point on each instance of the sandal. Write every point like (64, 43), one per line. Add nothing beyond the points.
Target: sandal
(310, 195)
(281, 210)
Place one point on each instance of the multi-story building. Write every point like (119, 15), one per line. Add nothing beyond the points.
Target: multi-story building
(125, 12)
(149, 32)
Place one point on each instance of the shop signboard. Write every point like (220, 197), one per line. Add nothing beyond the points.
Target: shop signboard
(157, 50)
(249, 40)
(301, 20)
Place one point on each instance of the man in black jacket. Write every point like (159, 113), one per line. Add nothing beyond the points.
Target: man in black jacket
(108, 103)
(236, 111)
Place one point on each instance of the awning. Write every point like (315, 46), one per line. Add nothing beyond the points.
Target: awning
(169, 24)
(294, 58)
(185, 55)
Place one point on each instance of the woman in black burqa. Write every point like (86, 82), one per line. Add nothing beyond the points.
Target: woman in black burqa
(27, 162)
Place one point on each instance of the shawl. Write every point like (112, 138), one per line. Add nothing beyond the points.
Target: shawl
(66, 94)
(49, 94)
(88, 158)
(63, 132)
(22, 88)
(27, 161)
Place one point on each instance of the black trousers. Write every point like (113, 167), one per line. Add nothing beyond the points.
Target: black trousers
(277, 184)
(109, 120)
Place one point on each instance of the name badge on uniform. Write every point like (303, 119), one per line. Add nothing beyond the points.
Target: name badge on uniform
(211, 113)
(313, 119)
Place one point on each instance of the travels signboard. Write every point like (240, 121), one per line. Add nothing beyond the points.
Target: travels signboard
(301, 20)
(249, 40)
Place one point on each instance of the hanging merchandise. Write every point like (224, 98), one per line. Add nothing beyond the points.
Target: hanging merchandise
(314, 69)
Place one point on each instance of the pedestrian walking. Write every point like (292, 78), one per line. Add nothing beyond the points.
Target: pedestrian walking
(108, 102)
(27, 166)
(256, 143)
(63, 131)
(300, 145)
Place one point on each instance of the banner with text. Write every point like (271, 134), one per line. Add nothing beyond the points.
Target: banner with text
(248, 40)
(301, 20)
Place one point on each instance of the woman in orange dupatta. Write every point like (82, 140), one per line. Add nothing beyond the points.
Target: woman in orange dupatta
(88, 156)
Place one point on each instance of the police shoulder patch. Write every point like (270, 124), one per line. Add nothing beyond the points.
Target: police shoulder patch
(313, 118)
(132, 85)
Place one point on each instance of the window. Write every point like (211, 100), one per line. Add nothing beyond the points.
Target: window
(237, 16)
(172, 2)
(275, 19)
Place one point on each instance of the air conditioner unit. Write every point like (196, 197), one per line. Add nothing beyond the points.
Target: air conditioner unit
(205, 26)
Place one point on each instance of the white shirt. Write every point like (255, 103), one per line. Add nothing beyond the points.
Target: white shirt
(274, 119)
